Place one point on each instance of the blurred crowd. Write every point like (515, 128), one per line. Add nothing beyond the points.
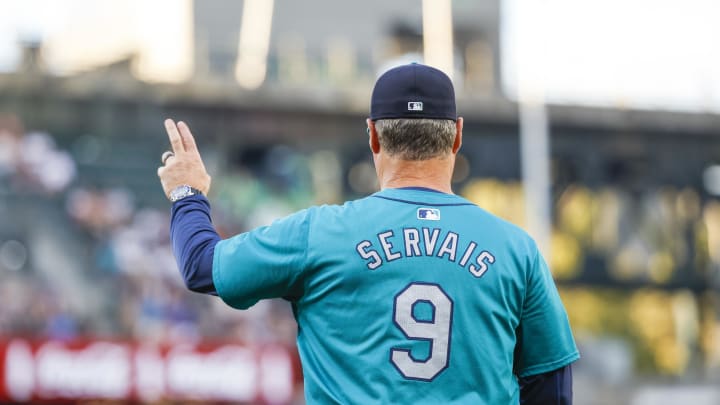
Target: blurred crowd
(123, 282)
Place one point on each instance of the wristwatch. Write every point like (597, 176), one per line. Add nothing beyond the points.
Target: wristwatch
(180, 192)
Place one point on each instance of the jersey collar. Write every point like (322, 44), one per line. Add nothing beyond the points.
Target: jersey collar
(421, 189)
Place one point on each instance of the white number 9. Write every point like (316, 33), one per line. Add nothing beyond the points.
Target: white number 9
(436, 331)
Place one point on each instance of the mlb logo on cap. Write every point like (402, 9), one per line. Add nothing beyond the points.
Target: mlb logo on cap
(413, 91)
(428, 214)
(415, 106)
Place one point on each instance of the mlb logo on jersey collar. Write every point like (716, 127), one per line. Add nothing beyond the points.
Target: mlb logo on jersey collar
(428, 214)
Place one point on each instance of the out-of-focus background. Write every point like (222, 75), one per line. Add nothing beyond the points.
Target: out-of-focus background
(593, 124)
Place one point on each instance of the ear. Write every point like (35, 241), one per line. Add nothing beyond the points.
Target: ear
(372, 132)
(458, 135)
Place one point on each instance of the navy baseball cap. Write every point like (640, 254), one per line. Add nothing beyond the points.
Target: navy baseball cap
(413, 91)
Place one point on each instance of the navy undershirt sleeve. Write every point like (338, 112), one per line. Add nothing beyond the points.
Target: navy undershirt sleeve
(193, 240)
(551, 388)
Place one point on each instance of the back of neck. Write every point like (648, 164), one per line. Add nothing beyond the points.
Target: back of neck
(433, 173)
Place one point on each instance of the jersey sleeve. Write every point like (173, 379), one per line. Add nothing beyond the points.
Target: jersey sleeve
(267, 262)
(544, 341)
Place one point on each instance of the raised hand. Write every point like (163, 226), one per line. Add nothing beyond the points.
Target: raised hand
(183, 165)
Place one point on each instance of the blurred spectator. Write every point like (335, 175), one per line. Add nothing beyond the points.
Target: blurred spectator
(32, 161)
(100, 211)
(11, 132)
(43, 167)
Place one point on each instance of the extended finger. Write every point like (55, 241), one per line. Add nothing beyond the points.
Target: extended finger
(174, 135)
(187, 137)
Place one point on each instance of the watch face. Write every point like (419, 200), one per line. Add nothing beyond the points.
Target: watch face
(180, 192)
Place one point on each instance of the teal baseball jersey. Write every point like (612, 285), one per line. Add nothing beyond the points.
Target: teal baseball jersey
(406, 296)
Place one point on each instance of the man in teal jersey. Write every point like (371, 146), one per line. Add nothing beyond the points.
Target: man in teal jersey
(410, 295)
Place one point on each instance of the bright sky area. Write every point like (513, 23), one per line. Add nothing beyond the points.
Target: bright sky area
(659, 54)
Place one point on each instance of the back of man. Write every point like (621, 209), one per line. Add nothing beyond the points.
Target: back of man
(411, 295)
(415, 296)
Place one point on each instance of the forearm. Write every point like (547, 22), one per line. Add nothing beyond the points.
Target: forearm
(193, 240)
(551, 388)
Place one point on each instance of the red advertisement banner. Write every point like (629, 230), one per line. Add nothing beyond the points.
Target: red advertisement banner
(51, 371)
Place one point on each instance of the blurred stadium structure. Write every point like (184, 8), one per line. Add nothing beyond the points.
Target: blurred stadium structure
(87, 279)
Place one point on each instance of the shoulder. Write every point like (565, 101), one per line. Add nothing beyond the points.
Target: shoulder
(318, 212)
(330, 210)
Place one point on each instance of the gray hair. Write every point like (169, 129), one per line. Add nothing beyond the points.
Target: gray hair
(416, 139)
